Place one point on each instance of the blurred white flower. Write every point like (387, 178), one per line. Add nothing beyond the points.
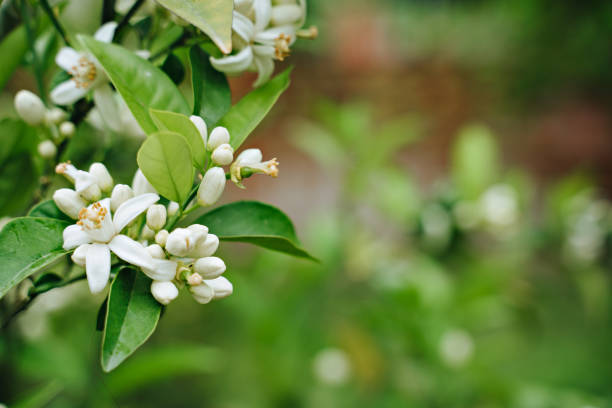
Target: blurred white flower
(332, 366)
(30, 107)
(499, 206)
(456, 348)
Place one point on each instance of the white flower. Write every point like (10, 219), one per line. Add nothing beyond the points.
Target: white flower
(223, 155)
(162, 237)
(86, 73)
(164, 291)
(212, 186)
(84, 183)
(201, 126)
(54, 116)
(210, 289)
(219, 135)
(258, 41)
(500, 206)
(251, 159)
(69, 202)
(114, 114)
(97, 233)
(173, 208)
(67, 129)
(209, 267)
(156, 217)
(121, 193)
(141, 185)
(102, 177)
(47, 149)
(30, 107)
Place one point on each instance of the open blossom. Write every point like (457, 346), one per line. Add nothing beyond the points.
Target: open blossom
(263, 33)
(251, 160)
(98, 233)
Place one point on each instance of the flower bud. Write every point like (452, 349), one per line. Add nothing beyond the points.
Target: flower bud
(211, 187)
(218, 136)
(195, 279)
(162, 237)
(223, 155)
(156, 251)
(202, 293)
(201, 126)
(30, 107)
(209, 267)
(47, 149)
(102, 176)
(147, 233)
(164, 292)
(141, 185)
(156, 217)
(198, 234)
(91, 193)
(78, 256)
(178, 242)
(121, 193)
(206, 248)
(221, 287)
(249, 156)
(67, 129)
(54, 116)
(69, 202)
(285, 14)
(173, 208)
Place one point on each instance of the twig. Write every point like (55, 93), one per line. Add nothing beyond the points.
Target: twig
(25, 15)
(58, 27)
(126, 19)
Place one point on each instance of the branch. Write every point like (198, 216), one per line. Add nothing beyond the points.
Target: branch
(58, 27)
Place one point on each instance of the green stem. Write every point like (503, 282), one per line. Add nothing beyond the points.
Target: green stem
(27, 19)
(126, 19)
(58, 26)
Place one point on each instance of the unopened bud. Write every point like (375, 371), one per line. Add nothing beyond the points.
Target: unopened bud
(147, 233)
(79, 254)
(198, 233)
(47, 149)
(195, 279)
(218, 136)
(156, 251)
(161, 238)
(211, 187)
(173, 208)
(285, 14)
(54, 116)
(209, 267)
(67, 129)
(164, 292)
(206, 248)
(202, 293)
(121, 193)
(156, 217)
(69, 202)
(221, 287)
(249, 156)
(178, 242)
(30, 107)
(201, 126)
(91, 193)
(309, 33)
(223, 155)
(141, 185)
(102, 176)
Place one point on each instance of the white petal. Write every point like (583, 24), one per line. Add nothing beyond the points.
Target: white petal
(243, 27)
(97, 267)
(131, 251)
(264, 51)
(106, 32)
(67, 58)
(286, 14)
(202, 293)
(164, 292)
(234, 64)
(263, 13)
(265, 69)
(267, 37)
(249, 156)
(221, 286)
(67, 93)
(132, 208)
(79, 256)
(163, 270)
(141, 185)
(74, 236)
(104, 97)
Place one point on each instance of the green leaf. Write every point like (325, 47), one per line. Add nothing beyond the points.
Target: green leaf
(212, 97)
(18, 180)
(214, 17)
(13, 48)
(255, 223)
(28, 245)
(48, 209)
(165, 160)
(131, 317)
(139, 82)
(243, 117)
(166, 38)
(181, 124)
(173, 67)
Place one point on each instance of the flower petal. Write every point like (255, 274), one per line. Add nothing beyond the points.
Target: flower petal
(132, 208)
(243, 27)
(106, 32)
(234, 64)
(67, 58)
(270, 35)
(263, 13)
(131, 251)
(74, 236)
(163, 270)
(67, 93)
(265, 69)
(104, 97)
(97, 266)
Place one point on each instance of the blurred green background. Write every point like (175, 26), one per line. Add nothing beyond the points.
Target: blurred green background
(449, 162)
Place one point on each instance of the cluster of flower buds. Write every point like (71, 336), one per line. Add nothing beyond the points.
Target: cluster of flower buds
(32, 110)
(192, 249)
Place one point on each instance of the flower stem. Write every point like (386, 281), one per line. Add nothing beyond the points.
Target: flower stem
(126, 19)
(58, 26)
(38, 74)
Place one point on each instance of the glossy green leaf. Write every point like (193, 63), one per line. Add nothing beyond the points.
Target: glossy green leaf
(165, 160)
(255, 223)
(139, 82)
(131, 317)
(13, 48)
(243, 117)
(28, 245)
(212, 97)
(166, 38)
(48, 209)
(175, 122)
(214, 17)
